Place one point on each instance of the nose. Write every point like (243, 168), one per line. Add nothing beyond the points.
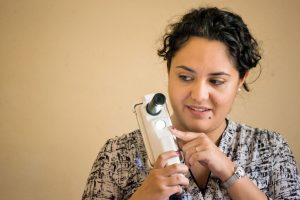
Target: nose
(199, 91)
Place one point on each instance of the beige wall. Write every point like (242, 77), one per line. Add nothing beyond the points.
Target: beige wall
(71, 71)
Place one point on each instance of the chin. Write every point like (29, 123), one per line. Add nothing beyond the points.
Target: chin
(198, 128)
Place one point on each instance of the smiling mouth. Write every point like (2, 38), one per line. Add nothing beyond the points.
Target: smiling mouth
(199, 109)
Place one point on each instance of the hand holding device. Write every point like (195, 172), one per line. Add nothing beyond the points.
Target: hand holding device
(154, 122)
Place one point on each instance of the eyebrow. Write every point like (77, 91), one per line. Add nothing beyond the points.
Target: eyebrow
(186, 68)
(193, 71)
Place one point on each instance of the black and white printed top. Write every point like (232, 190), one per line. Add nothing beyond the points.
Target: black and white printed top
(121, 166)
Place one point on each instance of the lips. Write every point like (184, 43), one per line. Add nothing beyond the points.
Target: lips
(199, 112)
(199, 108)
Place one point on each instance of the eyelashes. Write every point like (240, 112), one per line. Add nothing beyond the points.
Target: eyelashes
(185, 78)
(217, 82)
(213, 81)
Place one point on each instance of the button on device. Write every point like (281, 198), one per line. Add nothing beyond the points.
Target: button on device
(160, 124)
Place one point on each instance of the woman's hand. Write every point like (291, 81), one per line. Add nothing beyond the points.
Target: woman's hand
(163, 181)
(198, 147)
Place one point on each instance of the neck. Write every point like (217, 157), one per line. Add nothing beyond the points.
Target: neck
(216, 134)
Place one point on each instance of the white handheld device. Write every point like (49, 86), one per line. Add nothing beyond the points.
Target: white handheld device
(154, 122)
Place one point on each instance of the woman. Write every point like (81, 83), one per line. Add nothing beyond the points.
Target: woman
(209, 53)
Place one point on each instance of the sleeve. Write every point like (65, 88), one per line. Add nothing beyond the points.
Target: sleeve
(100, 183)
(285, 179)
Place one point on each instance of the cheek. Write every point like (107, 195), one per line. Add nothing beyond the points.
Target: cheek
(224, 101)
(172, 87)
(174, 94)
(177, 94)
(171, 91)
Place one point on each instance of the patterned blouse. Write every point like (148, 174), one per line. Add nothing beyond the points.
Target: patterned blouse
(121, 166)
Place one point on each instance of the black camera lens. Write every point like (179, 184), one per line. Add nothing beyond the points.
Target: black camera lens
(155, 105)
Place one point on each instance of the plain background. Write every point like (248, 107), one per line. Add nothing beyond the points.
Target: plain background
(71, 71)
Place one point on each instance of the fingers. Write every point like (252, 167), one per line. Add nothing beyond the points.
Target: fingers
(172, 184)
(199, 149)
(166, 180)
(159, 186)
(161, 163)
(193, 143)
(201, 157)
(176, 169)
(178, 179)
(184, 136)
(176, 189)
(168, 191)
(163, 158)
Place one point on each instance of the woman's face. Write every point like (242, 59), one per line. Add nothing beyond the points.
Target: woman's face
(203, 83)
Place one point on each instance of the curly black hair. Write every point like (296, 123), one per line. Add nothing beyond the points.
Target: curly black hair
(214, 24)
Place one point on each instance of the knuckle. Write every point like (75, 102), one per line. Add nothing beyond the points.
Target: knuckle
(161, 189)
(205, 140)
(175, 167)
(202, 135)
(182, 147)
(154, 173)
(174, 179)
(161, 157)
(178, 178)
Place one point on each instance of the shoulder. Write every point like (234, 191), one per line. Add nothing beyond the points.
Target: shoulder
(124, 138)
(251, 134)
(123, 156)
(266, 158)
(124, 141)
(116, 168)
(246, 142)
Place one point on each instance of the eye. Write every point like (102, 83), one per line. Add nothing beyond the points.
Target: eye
(217, 82)
(185, 78)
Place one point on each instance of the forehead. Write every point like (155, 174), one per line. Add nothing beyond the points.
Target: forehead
(203, 53)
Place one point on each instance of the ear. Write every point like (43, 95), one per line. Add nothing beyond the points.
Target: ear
(242, 81)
